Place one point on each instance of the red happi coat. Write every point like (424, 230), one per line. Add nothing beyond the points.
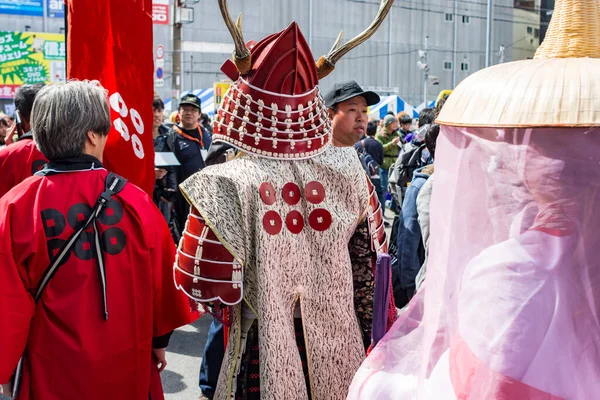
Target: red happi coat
(18, 162)
(72, 352)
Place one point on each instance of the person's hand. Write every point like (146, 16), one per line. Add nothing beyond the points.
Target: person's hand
(229, 155)
(160, 173)
(161, 360)
(396, 140)
(11, 132)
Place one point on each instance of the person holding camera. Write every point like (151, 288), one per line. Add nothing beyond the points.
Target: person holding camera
(165, 186)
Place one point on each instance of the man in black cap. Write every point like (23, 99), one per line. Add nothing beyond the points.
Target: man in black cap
(188, 140)
(348, 110)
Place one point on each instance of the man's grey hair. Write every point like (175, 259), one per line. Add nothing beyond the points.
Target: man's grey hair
(64, 113)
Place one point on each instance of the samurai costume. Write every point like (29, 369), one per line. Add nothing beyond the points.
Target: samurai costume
(287, 234)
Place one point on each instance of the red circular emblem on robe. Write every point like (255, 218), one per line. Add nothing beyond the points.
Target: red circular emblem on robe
(320, 219)
(315, 192)
(267, 193)
(291, 193)
(272, 223)
(294, 222)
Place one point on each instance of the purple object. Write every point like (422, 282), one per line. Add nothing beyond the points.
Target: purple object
(381, 301)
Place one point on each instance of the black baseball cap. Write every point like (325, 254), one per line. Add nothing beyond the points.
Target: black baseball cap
(343, 91)
(191, 100)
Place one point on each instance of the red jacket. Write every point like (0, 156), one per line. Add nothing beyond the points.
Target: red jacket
(18, 162)
(72, 352)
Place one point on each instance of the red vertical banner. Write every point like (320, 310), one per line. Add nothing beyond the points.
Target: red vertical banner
(111, 41)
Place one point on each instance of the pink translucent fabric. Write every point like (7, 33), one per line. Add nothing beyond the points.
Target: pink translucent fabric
(509, 308)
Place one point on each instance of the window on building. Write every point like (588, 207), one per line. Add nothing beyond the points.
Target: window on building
(466, 19)
(529, 30)
(525, 4)
(536, 33)
(464, 66)
(448, 65)
(449, 17)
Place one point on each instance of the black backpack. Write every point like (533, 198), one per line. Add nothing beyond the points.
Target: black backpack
(408, 161)
(369, 164)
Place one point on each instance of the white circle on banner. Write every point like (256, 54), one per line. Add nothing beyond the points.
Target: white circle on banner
(136, 118)
(121, 127)
(138, 148)
(118, 104)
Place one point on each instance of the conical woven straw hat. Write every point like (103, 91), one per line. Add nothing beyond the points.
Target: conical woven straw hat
(559, 87)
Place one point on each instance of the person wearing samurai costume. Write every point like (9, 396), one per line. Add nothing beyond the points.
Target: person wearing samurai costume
(285, 235)
(86, 292)
(509, 309)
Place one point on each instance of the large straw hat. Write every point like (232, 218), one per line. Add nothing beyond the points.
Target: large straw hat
(559, 87)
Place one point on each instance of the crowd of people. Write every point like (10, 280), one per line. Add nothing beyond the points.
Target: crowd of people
(381, 146)
(398, 156)
(273, 220)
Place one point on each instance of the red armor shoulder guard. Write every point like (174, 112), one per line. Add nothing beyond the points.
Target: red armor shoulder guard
(204, 269)
(376, 227)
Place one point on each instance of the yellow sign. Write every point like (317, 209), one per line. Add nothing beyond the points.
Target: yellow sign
(220, 89)
(30, 58)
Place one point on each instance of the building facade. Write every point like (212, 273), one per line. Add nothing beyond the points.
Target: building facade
(392, 61)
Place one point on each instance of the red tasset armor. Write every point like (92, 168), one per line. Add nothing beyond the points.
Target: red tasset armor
(199, 250)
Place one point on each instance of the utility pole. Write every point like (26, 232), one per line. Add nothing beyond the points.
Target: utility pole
(192, 72)
(501, 55)
(425, 72)
(488, 47)
(176, 70)
(389, 80)
(455, 44)
(45, 14)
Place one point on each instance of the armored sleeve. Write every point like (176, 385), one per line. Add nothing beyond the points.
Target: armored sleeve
(204, 269)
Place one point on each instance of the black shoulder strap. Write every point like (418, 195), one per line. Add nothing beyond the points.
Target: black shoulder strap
(113, 185)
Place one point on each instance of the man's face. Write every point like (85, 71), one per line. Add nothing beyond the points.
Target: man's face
(3, 130)
(349, 122)
(158, 117)
(406, 127)
(392, 127)
(189, 116)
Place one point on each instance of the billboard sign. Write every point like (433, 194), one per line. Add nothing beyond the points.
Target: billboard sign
(55, 8)
(29, 58)
(160, 12)
(22, 7)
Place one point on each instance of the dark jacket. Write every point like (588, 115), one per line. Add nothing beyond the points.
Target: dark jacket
(410, 251)
(189, 151)
(167, 186)
(373, 147)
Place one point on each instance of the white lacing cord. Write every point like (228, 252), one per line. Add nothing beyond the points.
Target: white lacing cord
(301, 109)
(320, 111)
(326, 124)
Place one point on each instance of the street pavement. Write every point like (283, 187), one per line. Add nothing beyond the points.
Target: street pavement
(184, 354)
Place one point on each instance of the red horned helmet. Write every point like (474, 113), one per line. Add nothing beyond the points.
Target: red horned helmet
(274, 108)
